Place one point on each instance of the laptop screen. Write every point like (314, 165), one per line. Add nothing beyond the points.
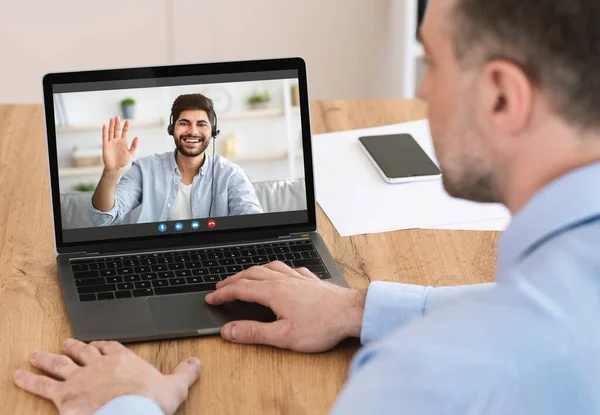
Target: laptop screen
(176, 155)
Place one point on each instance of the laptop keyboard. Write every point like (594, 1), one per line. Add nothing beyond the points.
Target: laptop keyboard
(187, 271)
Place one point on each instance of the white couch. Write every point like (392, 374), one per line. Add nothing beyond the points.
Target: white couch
(274, 196)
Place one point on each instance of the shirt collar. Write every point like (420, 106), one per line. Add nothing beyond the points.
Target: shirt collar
(207, 162)
(564, 203)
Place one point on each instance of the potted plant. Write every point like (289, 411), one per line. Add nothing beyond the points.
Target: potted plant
(259, 100)
(128, 108)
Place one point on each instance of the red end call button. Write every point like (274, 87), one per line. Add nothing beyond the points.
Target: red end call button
(212, 223)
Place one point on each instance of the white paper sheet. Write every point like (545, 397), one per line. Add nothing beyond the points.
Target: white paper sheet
(357, 200)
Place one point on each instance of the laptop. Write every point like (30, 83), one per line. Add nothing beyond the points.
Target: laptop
(141, 269)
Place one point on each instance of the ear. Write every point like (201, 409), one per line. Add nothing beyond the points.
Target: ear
(505, 98)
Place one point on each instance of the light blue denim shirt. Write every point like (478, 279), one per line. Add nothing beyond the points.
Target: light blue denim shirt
(527, 344)
(154, 181)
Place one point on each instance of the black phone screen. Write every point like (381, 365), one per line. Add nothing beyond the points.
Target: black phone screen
(399, 155)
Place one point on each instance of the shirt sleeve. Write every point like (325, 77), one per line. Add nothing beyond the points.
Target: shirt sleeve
(242, 196)
(390, 305)
(130, 405)
(128, 196)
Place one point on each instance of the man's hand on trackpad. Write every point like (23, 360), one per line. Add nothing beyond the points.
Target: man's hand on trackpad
(313, 315)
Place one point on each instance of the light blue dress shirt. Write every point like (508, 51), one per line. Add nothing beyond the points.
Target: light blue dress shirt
(154, 181)
(527, 344)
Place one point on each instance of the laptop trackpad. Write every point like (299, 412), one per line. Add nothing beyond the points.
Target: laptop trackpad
(190, 312)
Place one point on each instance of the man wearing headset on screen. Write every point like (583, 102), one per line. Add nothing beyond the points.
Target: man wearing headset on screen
(184, 184)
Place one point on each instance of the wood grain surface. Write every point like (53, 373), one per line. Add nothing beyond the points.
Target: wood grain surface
(235, 379)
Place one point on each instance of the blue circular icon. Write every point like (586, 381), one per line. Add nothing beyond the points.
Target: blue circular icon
(195, 225)
(178, 226)
(162, 227)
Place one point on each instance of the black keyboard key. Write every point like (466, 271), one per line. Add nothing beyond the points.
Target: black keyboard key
(143, 292)
(125, 286)
(304, 242)
(149, 277)
(293, 255)
(86, 274)
(160, 283)
(212, 278)
(244, 260)
(194, 280)
(131, 278)
(177, 281)
(261, 259)
(79, 266)
(182, 258)
(233, 269)
(142, 269)
(227, 261)
(264, 251)
(164, 260)
(281, 249)
(200, 271)
(217, 270)
(97, 265)
(148, 261)
(124, 271)
(106, 296)
(183, 273)
(315, 268)
(210, 263)
(114, 280)
(232, 254)
(168, 274)
(176, 265)
(310, 254)
(323, 275)
(191, 265)
(185, 289)
(216, 255)
(199, 257)
(114, 264)
(159, 267)
(87, 297)
(248, 252)
(96, 289)
(276, 257)
(142, 284)
(86, 282)
(108, 272)
(305, 262)
(123, 294)
(131, 263)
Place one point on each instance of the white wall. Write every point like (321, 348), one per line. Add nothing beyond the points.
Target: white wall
(347, 43)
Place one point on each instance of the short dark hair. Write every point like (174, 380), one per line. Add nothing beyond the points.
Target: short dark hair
(193, 102)
(555, 42)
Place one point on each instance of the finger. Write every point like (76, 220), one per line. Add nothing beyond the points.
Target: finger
(80, 352)
(117, 127)
(256, 273)
(282, 268)
(110, 347)
(275, 334)
(186, 372)
(57, 365)
(305, 272)
(125, 129)
(37, 384)
(134, 145)
(111, 129)
(243, 289)
(104, 133)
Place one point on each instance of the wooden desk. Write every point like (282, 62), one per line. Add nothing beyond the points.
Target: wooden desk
(235, 379)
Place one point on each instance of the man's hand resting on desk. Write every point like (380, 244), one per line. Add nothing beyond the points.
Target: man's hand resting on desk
(88, 376)
(313, 315)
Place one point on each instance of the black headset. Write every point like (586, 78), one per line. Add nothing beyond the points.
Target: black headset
(214, 133)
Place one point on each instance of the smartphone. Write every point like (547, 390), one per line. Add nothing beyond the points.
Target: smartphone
(399, 158)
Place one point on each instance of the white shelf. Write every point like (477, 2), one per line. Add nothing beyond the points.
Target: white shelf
(98, 127)
(84, 171)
